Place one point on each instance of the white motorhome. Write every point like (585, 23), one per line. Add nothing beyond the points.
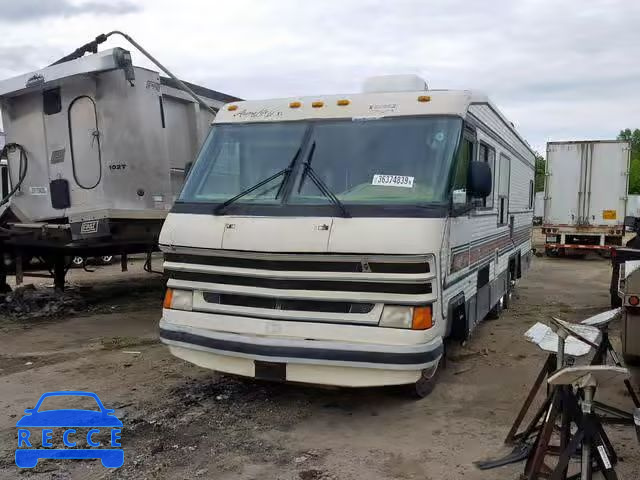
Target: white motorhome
(339, 239)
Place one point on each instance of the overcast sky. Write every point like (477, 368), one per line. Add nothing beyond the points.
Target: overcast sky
(558, 69)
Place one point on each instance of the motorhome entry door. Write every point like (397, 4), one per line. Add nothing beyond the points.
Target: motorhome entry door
(84, 139)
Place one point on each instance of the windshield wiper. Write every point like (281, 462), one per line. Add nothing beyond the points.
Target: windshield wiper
(285, 171)
(324, 189)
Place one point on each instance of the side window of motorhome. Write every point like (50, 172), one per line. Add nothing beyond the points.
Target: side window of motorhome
(504, 173)
(4, 181)
(531, 194)
(460, 181)
(486, 154)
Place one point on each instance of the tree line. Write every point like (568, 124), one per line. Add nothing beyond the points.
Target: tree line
(631, 136)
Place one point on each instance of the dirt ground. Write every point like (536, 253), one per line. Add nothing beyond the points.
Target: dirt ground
(184, 422)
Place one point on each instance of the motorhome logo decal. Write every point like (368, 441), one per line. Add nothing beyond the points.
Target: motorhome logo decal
(382, 108)
(262, 114)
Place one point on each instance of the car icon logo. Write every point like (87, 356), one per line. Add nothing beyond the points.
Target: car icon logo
(69, 426)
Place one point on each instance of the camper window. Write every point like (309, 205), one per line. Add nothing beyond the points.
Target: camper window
(531, 194)
(504, 175)
(461, 179)
(486, 154)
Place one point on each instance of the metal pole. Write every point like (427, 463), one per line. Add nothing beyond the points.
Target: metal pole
(165, 70)
(562, 338)
(585, 471)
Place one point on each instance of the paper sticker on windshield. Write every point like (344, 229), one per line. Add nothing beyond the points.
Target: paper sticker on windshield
(392, 180)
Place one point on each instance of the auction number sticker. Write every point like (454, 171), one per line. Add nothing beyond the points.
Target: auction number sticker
(393, 180)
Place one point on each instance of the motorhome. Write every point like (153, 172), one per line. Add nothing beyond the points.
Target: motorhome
(339, 239)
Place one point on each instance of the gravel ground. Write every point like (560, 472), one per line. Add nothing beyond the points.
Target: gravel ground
(181, 421)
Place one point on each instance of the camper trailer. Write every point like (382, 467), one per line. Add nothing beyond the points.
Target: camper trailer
(99, 149)
(339, 239)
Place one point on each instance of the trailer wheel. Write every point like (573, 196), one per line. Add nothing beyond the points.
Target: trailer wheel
(78, 261)
(106, 259)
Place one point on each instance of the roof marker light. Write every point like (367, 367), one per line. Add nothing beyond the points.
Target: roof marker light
(317, 104)
(231, 108)
(343, 102)
(424, 98)
(295, 104)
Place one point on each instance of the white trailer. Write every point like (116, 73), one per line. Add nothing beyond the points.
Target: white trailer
(339, 239)
(585, 195)
(538, 208)
(97, 150)
(633, 206)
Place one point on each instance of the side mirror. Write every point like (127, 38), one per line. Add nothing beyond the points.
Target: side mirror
(480, 180)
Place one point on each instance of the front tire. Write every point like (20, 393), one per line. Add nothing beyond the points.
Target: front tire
(427, 381)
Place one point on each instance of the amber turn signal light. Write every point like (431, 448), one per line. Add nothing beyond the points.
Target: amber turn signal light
(422, 318)
(168, 298)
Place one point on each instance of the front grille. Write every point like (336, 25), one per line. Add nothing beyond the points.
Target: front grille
(290, 284)
(344, 280)
(302, 266)
(287, 304)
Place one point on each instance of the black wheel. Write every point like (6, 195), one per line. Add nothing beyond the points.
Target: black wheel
(427, 382)
(106, 259)
(506, 300)
(77, 261)
(9, 261)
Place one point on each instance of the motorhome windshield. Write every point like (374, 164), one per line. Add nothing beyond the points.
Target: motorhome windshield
(388, 161)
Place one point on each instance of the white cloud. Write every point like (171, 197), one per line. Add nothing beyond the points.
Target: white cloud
(559, 70)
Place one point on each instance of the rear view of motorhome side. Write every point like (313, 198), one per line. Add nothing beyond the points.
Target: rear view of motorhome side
(338, 239)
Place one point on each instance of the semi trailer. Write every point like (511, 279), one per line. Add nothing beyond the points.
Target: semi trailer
(339, 239)
(95, 155)
(585, 196)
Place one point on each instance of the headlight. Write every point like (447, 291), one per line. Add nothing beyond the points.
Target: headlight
(178, 299)
(415, 318)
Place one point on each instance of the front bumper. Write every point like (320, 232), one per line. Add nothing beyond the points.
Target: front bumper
(328, 362)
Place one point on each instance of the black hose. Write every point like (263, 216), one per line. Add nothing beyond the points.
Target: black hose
(24, 164)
